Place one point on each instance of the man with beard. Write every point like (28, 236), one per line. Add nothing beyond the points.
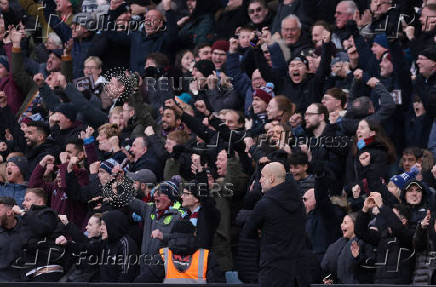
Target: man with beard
(325, 143)
(170, 121)
(40, 257)
(38, 143)
(10, 237)
(143, 181)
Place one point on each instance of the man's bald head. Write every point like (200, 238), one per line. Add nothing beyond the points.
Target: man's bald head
(272, 175)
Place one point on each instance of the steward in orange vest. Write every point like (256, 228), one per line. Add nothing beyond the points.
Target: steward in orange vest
(182, 261)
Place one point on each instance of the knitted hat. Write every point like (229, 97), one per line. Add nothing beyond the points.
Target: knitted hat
(183, 226)
(300, 58)
(143, 176)
(430, 53)
(381, 40)
(206, 67)
(21, 163)
(401, 180)
(221, 45)
(57, 52)
(168, 188)
(262, 94)
(340, 57)
(67, 110)
(108, 165)
(4, 61)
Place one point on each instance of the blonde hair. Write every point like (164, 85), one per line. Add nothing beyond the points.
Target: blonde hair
(109, 130)
(98, 62)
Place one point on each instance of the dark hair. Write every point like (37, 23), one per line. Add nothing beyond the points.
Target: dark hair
(39, 192)
(160, 59)
(380, 137)
(40, 127)
(199, 47)
(338, 94)
(179, 56)
(298, 157)
(78, 143)
(241, 118)
(261, 2)
(415, 151)
(287, 106)
(174, 111)
(324, 24)
(360, 107)
(8, 201)
(353, 216)
(322, 110)
(403, 210)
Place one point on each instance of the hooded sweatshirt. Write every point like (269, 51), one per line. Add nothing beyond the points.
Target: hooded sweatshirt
(119, 250)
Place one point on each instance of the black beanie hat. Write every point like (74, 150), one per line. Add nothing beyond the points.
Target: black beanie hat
(430, 53)
(183, 226)
(67, 110)
(206, 67)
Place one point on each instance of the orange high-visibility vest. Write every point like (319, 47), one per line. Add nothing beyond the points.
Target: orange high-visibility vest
(196, 273)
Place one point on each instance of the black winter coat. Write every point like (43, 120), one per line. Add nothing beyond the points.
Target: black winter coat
(379, 162)
(395, 259)
(118, 245)
(280, 216)
(339, 262)
(36, 154)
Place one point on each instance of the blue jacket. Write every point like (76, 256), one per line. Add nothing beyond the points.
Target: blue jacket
(141, 45)
(79, 55)
(240, 80)
(16, 191)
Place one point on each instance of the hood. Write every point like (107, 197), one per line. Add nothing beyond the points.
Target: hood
(286, 195)
(48, 145)
(182, 243)
(424, 194)
(116, 224)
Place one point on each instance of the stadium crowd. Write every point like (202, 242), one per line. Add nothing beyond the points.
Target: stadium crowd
(284, 142)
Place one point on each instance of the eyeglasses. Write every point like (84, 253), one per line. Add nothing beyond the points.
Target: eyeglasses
(186, 193)
(257, 10)
(327, 98)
